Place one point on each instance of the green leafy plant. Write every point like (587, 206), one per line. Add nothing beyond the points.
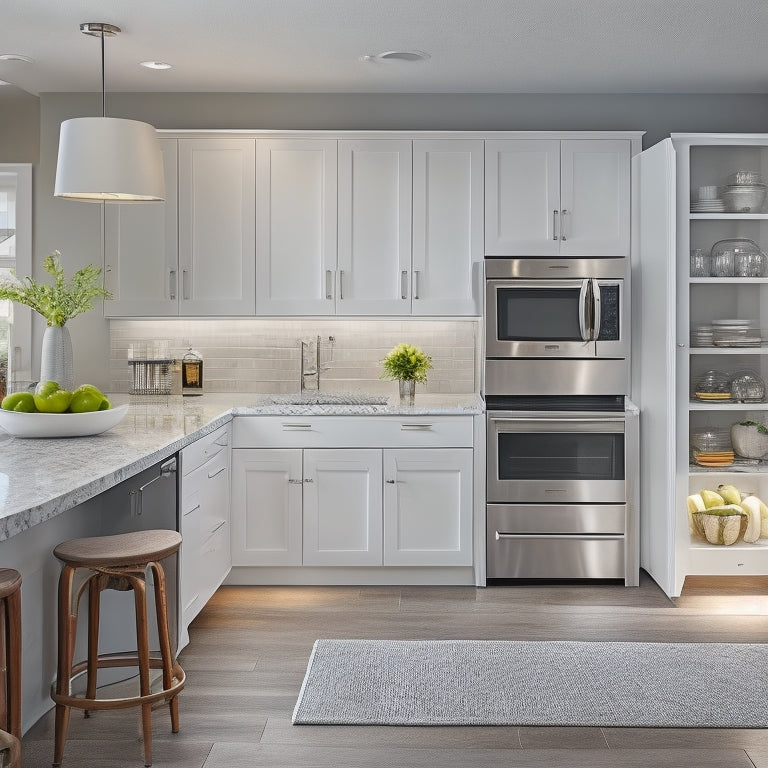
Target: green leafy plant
(62, 300)
(760, 427)
(406, 363)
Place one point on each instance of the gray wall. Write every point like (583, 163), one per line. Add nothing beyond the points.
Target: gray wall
(75, 228)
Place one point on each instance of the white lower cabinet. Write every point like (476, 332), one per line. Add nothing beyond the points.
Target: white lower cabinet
(266, 504)
(203, 523)
(342, 507)
(427, 506)
(352, 506)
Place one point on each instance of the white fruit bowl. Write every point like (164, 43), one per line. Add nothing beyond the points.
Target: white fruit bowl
(61, 424)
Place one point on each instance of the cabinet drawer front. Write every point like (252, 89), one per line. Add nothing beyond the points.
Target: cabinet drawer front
(352, 432)
(204, 449)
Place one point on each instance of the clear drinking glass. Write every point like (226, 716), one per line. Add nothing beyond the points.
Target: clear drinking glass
(721, 264)
(699, 263)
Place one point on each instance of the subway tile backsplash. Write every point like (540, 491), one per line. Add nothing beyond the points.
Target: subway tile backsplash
(263, 355)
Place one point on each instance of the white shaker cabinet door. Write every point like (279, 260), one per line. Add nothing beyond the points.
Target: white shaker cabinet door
(141, 250)
(428, 506)
(447, 276)
(342, 507)
(522, 197)
(266, 506)
(374, 253)
(594, 198)
(217, 226)
(295, 226)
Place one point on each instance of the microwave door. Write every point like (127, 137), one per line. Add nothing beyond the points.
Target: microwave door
(539, 319)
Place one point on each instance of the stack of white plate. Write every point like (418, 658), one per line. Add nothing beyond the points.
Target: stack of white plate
(702, 336)
(708, 206)
(736, 333)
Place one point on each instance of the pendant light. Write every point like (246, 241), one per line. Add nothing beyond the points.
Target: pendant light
(104, 159)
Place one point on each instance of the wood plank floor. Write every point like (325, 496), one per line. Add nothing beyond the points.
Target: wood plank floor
(250, 646)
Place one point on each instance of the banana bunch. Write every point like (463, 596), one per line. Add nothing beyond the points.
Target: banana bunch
(726, 515)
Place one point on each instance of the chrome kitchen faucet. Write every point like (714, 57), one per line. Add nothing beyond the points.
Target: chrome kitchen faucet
(309, 375)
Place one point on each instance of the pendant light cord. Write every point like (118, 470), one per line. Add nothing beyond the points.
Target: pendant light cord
(103, 81)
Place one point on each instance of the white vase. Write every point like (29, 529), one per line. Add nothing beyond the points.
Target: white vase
(56, 357)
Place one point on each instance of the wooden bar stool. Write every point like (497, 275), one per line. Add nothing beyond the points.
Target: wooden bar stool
(10, 674)
(115, 562)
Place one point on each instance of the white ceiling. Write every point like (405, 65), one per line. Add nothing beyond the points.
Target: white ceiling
(480, 46)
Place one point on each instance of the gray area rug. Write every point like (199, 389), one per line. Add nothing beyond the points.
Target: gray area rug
(486, 682)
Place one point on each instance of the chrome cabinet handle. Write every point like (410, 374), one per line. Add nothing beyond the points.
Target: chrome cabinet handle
(194, 509)
(415, 427)
(216, 527)
(569, 536)
(562, 224)
(554, 225)
(404, 284)
(391, 482)
(341, 283)
(308, 480)
(184, 284)
(298, 427)
(217, 472)
(329, 284)
(172, 287)
(295, 482)
(417, 284)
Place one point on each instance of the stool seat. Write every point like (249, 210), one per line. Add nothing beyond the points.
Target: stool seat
(123, 549)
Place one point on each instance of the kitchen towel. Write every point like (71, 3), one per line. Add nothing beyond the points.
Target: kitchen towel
(488, 682)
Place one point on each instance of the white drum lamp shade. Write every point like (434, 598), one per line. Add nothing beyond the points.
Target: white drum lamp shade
(109, 159)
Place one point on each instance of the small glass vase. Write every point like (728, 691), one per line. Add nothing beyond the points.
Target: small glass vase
(407, 391)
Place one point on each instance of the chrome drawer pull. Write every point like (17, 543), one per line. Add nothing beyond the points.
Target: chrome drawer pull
(190, 511)
(217, 472)
(216, 528)
(295, 482)
(305, 427)
(415, 427)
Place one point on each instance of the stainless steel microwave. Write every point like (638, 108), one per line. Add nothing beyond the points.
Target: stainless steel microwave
(579, 317)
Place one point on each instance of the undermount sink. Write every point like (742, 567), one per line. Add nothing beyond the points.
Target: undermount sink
(326, 398)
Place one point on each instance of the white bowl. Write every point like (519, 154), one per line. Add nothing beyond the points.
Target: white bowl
(61, 424)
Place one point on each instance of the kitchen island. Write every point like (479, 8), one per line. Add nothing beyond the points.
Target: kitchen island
(55, 489)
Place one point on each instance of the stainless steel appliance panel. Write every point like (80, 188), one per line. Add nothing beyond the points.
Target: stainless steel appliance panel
(506, 268)
(557, 518)
(556, 377)
(553, 556)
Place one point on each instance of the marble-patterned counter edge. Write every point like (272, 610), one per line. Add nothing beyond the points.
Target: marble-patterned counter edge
(40, 479)
(96, 470)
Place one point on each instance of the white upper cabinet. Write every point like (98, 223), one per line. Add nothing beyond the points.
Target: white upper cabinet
(216, 226)
(295, 226)
(374, 252)
(446, 277)
(594, 198)
(551, 198)
(142, 249)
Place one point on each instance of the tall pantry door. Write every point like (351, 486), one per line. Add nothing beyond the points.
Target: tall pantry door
(654, 360)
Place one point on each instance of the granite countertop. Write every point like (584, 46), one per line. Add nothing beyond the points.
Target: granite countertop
(40, 479)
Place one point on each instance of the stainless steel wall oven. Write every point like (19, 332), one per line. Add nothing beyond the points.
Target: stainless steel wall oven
(557, 488)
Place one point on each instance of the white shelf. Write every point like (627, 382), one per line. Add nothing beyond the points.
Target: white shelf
(732, 470)
(727, 280)
(696, 406)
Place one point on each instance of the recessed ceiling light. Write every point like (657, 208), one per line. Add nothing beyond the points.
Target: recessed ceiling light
(15, 57)
(412, 55)
(155, 65)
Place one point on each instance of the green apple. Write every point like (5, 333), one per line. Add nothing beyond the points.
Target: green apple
(712, 499)
(19, 401)
(51, 398)
(88, 398)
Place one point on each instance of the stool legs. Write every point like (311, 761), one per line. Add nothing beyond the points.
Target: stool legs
(133, 578)
(67, 627)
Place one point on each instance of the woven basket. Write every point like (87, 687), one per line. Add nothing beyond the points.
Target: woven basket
(719, 529)
(747, 441)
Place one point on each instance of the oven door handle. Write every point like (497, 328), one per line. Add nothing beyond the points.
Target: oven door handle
(595, 309)
(585, 310)
(569, 536)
